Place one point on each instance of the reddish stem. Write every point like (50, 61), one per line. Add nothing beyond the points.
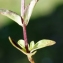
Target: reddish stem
(24, 26)
(25, 35)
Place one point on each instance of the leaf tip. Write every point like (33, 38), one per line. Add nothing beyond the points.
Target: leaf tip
(52, 42)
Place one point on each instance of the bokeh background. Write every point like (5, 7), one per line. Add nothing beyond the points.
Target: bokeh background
(46, 23)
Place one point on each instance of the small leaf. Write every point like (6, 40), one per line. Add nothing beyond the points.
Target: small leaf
(12, 15)
(17, 46)
(31, 45)
(21, 43)
(14, 43)
(43, 43)
(28, 11)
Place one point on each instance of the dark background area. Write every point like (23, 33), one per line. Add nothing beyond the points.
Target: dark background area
(43, 27)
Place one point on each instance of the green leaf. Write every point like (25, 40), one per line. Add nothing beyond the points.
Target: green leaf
(12, 15)
(22, 7)
(18, 46)
(28, 11)
(21, 43)
(43, 43)
(31, 45)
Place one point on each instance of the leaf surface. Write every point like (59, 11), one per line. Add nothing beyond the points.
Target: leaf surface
(31, 45)
(43, 43)
(21, 43)
(28, 11)
(12, 15)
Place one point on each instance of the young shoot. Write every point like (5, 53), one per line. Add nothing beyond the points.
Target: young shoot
(22, 45)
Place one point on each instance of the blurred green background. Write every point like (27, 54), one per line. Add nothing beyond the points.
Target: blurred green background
(46, 23)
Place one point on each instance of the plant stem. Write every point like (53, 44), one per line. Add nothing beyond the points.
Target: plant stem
(24, 31)
(24, 26)
(30, 59)
(25, 37)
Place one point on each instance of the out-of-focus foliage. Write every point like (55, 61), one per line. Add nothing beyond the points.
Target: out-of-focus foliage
(43, 7)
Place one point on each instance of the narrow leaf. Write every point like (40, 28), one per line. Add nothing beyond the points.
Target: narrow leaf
(14, 44)
(22, 7)
(28, 11)
(43, 43)
(17, 46)
(12, 15)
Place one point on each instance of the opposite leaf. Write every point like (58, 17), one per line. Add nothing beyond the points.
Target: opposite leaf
(12, 15)
(28, 11)
(43, 43)
(17, 46)
(31, 45)
(21, 43)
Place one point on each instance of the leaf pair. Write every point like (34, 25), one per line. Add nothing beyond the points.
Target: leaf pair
(32, 47)
(25, 13)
